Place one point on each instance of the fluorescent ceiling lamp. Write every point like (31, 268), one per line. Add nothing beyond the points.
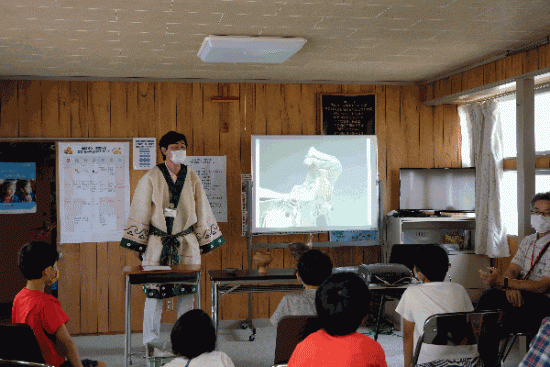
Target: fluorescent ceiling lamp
(271, 50)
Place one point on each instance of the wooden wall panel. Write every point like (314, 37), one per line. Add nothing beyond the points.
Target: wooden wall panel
(9, 122)
(409, 134)
(70, 285)
(509, 67)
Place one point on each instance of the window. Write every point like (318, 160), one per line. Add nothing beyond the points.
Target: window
(509, 197)
(508, 190)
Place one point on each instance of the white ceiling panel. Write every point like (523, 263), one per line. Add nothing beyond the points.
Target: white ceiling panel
(347, 40)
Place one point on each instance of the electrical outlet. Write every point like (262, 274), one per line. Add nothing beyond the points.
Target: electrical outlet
(169, 304)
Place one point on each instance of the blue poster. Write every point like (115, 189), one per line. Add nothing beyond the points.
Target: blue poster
(17, 187)
(371, 237)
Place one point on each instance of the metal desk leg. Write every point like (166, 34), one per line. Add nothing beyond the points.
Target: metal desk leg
(382, 300)
(215, 306)
(198, 294)
(127, 323)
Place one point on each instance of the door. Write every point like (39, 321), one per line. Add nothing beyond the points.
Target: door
(18, 229)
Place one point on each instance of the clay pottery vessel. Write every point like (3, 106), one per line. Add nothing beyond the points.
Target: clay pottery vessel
(262, 258)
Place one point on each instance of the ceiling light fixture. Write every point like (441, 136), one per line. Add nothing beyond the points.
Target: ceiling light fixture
(270, 50)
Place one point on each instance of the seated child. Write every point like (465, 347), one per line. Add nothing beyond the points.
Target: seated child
(342, 302)
(433, 296)
(313, 268)
(193, 340)
(42, 312)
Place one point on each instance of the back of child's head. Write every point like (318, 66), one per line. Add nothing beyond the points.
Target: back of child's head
(193, 334)
(432, 261)
(314, 267)
(342, 302)
(34, 257)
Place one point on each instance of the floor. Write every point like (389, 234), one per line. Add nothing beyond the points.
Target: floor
(234, 341)
(231, 339)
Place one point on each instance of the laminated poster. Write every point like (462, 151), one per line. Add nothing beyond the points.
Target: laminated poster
(17, 187)
(94, 191)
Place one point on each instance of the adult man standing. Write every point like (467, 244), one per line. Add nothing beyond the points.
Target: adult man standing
(170, 222)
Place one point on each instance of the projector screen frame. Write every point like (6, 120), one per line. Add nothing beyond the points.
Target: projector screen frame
(295, 146)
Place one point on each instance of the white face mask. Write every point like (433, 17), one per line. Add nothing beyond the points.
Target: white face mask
(178, 156)
(540, 224)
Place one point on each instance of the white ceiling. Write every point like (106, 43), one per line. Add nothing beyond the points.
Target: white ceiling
(352, 41)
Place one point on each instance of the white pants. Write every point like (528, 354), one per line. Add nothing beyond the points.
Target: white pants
(152, 313)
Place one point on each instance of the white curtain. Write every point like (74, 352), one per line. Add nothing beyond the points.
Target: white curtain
(481, 121)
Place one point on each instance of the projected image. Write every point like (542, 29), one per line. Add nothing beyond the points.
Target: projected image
(308, 204)
(314, 183)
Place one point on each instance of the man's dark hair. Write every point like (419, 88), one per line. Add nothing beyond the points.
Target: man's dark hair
(193, 334)
(540, 196)
(314, 267)
(342, 302)
(432, 261)
(34, 257)
(171, 137)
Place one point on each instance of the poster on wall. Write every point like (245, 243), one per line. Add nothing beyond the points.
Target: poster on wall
(145, 153)
(212, 173)
(94, 191)
(343, 114)
(17, 187)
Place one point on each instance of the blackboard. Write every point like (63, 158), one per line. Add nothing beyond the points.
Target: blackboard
(343, 114)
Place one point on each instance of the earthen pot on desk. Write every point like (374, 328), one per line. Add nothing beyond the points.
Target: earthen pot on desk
(262, 258)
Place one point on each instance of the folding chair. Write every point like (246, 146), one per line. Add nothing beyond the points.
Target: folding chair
(459, 328)
(291, 330)
(19, 344)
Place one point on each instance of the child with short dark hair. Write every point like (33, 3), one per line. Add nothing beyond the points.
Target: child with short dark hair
(193, 340)
(342, 302)
(313, 268)
(42, 312)
(433, 296)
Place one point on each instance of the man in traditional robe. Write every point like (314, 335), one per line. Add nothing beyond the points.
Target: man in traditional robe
(171, 222)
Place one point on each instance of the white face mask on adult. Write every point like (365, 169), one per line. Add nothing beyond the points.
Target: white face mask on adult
(178, 156)
(540, 223)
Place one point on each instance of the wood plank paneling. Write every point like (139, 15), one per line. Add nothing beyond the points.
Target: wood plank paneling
(102, 278)
(69, 266)
(9, 121)
(92, 287)
(508, 67)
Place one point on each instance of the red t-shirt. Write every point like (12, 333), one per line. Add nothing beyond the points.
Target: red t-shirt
(320, 349)
(43, 313)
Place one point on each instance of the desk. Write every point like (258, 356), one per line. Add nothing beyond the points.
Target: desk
(385, 292)
(188, 274)
(250, 281)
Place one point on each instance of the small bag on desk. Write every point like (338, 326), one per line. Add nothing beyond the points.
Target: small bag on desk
(386, 274)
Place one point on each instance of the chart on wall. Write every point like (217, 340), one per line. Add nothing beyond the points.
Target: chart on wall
(94, 191)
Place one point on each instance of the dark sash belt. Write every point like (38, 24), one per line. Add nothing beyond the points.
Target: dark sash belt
(170, 244)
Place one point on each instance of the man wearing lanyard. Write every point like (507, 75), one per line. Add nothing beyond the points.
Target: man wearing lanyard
(170, 223)
(523, 290)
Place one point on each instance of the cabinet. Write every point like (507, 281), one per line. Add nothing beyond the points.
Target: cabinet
(424, 230)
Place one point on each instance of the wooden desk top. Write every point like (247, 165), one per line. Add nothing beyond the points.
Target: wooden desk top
(178, 273)
(175, 269)
(286, 274)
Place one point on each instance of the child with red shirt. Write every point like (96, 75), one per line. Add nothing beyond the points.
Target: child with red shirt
(342, 302)
(42, 312)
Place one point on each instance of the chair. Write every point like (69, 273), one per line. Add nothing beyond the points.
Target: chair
(7, 363)
(459, 328)
(19, 344)
(290, 331)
